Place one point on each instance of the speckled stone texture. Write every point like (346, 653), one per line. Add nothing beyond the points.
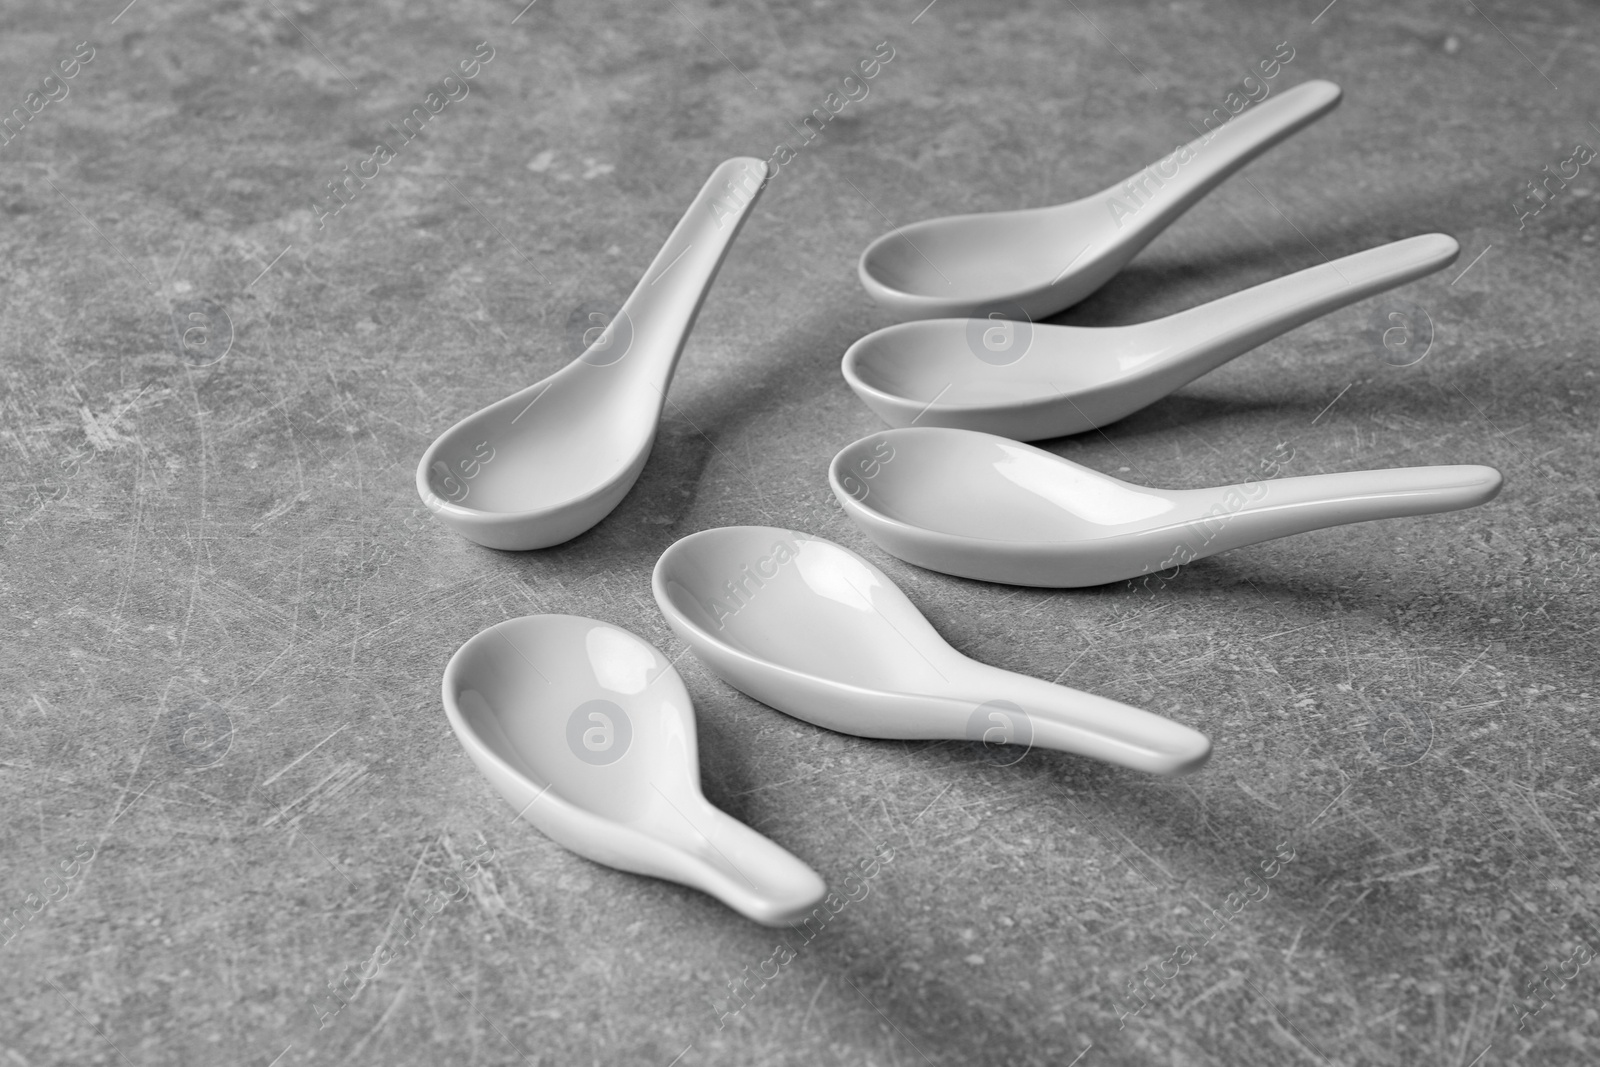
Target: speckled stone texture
(225, 769)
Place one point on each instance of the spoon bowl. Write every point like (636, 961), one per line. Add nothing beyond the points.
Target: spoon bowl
(548, 462)
(1038, 261)
(812, 629)
(588, 732)
(1032, 381)
(980, 506)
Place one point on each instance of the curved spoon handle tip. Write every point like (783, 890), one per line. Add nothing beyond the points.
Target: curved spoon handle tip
(1046, 715)
(1171, 185)
(1262, 511)
(756, 876)
(662, 308)
(1199, 340)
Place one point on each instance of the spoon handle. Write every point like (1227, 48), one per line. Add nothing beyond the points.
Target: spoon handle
(1201, 339)
(1261, 511)
(1146, 204)
(747, 871)
(661, 310)
(1031, 711)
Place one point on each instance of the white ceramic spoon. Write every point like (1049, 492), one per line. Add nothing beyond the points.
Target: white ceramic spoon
(587, 731)
(1043, 260)
(545, 464)
(985, 507)
(812, 629)
(1030, 381)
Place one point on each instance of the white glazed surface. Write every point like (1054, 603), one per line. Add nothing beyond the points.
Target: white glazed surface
(1062, 380)
(987, 507)
(1047, 259)
(812, 629)
(516, 696)
(566, 450)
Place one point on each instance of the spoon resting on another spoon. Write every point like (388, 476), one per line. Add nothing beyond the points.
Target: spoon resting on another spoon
(1039, 261)
(588, 732)
(986, 507)
(1031, 381)
(812, 629)
(545, 464)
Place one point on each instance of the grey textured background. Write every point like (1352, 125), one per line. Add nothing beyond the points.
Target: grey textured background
(244, 539)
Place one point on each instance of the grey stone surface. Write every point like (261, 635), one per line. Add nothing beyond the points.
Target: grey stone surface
(226, 611)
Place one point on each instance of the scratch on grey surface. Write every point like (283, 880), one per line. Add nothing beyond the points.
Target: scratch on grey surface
(295, 762)
(361, 504)
(102, 434)
(1347, 912)
(355, 640)
(1284, 1028)
(1476, 660)
(282, 509)
(1253, 795)
(1529, 797)
(288, 648)
(253, 607)
(294, 442)
(138, 762)
(205, 446)
(1159, 865)
(896, 824)
(394, 1004)
(438, 602)
(935, 800)
(812, 1006)
(251, 420)
(1412, 873)
(194, 575)
(486, 894)
(1225, 984)
(864, 831)
(816, 775)
(417, 867)
(129, 806)
(337, 869)
(299, 574)
(133, 549)
(342, 779)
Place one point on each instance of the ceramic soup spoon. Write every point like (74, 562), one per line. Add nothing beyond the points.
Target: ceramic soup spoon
(588, 733)
(547, 463)
(812, 629)
(1030, 381)
(1042, 260)
(985, 507)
